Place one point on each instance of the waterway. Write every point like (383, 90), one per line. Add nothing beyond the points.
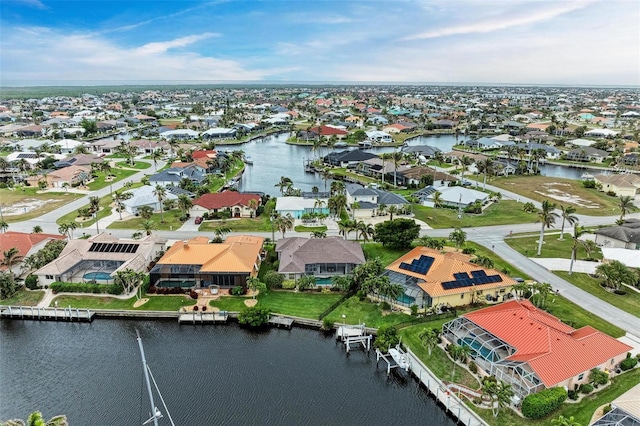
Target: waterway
(273, 157)
(221, 375)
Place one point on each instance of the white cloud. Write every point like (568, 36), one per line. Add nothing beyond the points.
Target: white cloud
(527, 17)
(53, 56)
(33, 3)
(317, 18)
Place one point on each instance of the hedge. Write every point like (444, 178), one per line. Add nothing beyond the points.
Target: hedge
(628, 364)
(59, 287)
(538, 405)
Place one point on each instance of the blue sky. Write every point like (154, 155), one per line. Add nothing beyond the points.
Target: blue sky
(529, 42)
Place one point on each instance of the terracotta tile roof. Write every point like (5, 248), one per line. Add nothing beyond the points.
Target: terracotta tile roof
(554, 350)
(237, 254)
(443, 269)
(225, 199)
(211, 153)
(24, 242)
(328, 131)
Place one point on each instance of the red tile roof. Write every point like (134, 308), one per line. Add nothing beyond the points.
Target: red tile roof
(24, 242)
(554, 350)
(225, 199)
(328, 131)
(211, 153)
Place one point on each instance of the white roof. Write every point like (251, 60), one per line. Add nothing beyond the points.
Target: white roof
(68, 143)
(377, 134)
(296, 203)
(630, 258)
(581, 142)
(461, 195)
(601, 132)
(144, 196)
(188, 132)
(506, 137)
(219, 131)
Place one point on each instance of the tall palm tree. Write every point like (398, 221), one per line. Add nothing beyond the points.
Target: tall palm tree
(366, 230)
(284, 223)
(337, 187)
(284, 184)
(459, 237)
(354, 206)
(547, 218)
(567, 214)
(437, 199)
(184, 204)
(156, 155)
(118, 199)
(160, 192)
(542, 291)
(577, 232)
(487, 169)
(625, 203)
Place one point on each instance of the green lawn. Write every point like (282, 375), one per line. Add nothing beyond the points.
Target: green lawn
(105, 210)
(138, 165)
(629, 302)
(353, 311)
(260, 224)
(304, 304)
(552, 246)
(344, 172)
(45, 202)
(171, 222)
(499, 263)
(438, 362)
(503, 212)
(577, 316)
(24, 297)
(540, 188)
(155, 303)
(301, 228)
(100, 182)
(386, 255)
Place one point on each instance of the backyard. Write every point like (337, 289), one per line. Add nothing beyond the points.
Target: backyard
(155, 303)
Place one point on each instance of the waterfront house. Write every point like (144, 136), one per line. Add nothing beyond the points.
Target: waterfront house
(197, 263)
(26, 244)
(621, 185)
(457, 196)
(347, 158)
(182, 134)
(78, 160)
(174, 175)
(99, 258)
(298, 206)
(237, 203)
(379, 136)
(425, 151)
(432, 279)
(626, 236)
(625, 410)
(587, 154)
(219, 133)
(322, 258)
(371, 199)
(531, 349)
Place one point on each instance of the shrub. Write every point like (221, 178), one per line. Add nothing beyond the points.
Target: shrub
(385, 306)
(60, 287)
(628, 363)
(606, 409)
(414, 310)
(473, 367)
(273, 279)
(573, 395)
(195, 308)
(468, 250)
(3, 185)
(586, 389)
(327, 324)
(204, 308)
(254, 317)
(31, 282)
(541, 404)
(589, 183)
(237, 291)
(288, 284)
(193, 294)
(611, 193)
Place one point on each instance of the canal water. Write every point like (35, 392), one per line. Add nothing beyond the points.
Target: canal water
(208, 375)
(272, 158)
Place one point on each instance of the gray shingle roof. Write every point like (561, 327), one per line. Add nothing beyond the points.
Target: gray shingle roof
(296, 252)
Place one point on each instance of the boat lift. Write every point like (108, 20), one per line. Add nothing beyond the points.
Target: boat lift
(395, 358)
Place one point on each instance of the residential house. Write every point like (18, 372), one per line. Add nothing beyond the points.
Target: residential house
(67, 146)
(299, 206)
(379, 137)
(197, 263)
(26, 244)
(350, 159)
(146, 146)
(99, 258)
(625, 410)
(626, 236)
(322, 258)
(106, 146)
(531, 349)
(426, 151)
(602, 133)
(434, 279)
(457, 196)
(183, 134)
(238, 203)
(329, 131)
(219, 133)
(621, 184)
(78, 160)
(145, 196)
(414, 176)
(587, 154)
(68, 176)
(370, 200)
(628, 257)
(174, 175)
(380, 169)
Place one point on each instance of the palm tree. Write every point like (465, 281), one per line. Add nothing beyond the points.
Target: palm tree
(565, 421)
(318, 203)
(542, 291)
(160, 192)
(547, 218)
(145, 212)
(567, 214)
(36, 419)
(10, 258)
(459, 237)
(615, 274)
(37, 229)
(520, 289)
(337, 187)
(345, 227)
(354, 206)
(118, 199)
(67, 229)
(577, 232)
(437, 199)
(253, 283)
(94, 204)
(465, 162)
(184, 204)
(498, 392)
(430, 338)
(221, 231)
(284, 223)
(284, 184)
(366, 230)
(487, 169)
(392, 210)
(626, 205)
(148, 226)
(318, 234)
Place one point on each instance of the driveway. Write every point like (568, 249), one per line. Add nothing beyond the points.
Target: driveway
(560, 264)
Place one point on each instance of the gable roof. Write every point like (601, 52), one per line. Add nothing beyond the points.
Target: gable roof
(237, 254)
(553, 349)
(23, 241)
(297, 252)
(629, 232)
(225, 199)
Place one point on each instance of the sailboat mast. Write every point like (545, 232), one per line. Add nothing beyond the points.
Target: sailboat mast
(146, 378)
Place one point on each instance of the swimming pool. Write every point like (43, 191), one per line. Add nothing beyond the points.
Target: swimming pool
(98, 276)
(477, 349)
(407, 300)
(324, 281)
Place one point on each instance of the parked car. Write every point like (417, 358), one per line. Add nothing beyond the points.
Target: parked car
(198, 220)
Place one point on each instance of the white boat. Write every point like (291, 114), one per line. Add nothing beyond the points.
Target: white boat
(340, 145)
(248, 160)
(587, 176)
(365, 144)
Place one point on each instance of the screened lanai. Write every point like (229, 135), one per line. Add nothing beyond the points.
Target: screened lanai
(412, 295)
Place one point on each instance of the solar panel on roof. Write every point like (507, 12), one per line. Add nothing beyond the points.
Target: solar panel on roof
(479, 273)
(405, 266)
(113, 248)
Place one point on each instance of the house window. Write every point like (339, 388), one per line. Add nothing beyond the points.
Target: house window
(49, 277)
(462, 296)
(581, 376)
(612, 361)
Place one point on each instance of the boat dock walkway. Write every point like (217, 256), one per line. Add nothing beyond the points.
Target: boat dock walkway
(454, 405)
(203, 317)
(46, 314)
(278, 321)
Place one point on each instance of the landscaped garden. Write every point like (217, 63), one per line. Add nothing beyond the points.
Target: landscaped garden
(101, 180)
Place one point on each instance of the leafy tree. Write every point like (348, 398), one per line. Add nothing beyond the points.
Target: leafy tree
(598, 377)
(254, 317)
(129, 279)
(458, 237)
(342, 282)
(529, 207)
(284, 223)
(184, 204)
(90, 126)
(370, 269)
(430, 338)
(397, 234)
(387, 338)
(434, 243)
(273, 279)
(67, 229)
(547, 217)
(8, 285)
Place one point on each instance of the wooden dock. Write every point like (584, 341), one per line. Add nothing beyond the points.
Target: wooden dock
(203, 317)
(279, 321)
(46, 314)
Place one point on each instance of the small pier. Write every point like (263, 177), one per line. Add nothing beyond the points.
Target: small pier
(354, 335)
(199, 317)
(46, 314)
(395, 358)
(279, 321)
